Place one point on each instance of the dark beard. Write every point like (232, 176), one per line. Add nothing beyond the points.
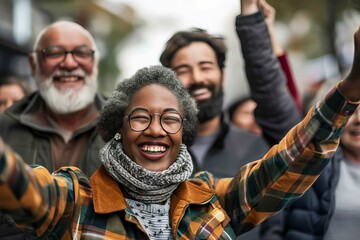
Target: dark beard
(211, 108)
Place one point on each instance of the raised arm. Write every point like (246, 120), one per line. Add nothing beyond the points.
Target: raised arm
(290, 168)
(350, 87)
(276, 111)
(269, 14)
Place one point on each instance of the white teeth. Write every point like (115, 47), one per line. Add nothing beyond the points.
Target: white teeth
(199, 91)
(68, 79)
(148, 148)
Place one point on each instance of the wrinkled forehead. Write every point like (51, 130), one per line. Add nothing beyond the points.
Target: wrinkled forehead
(65, 34)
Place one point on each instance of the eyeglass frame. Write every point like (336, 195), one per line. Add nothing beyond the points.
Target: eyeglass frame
(151, 119)
(66, 52)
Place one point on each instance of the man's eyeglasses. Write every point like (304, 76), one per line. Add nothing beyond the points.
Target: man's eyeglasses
(140, 120)
(55, 55)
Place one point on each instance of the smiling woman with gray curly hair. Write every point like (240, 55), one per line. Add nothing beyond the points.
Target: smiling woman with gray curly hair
(113, 112)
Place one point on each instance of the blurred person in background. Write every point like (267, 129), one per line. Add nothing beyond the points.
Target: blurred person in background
(12, 89)
(198, 58)
(241, 114)
(56, 125)
(57, 122)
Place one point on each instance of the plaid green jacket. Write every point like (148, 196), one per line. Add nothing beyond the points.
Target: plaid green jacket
(67, 205)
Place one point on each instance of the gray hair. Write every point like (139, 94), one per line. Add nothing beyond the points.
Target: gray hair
(113, 112)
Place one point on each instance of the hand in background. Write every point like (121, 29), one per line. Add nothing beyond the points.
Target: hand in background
(249, 6)
(269, 14)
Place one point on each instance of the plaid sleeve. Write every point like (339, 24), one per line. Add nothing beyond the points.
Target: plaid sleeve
(266, 186)
(38, 201)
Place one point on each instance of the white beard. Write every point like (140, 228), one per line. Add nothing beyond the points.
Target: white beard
(71, 99)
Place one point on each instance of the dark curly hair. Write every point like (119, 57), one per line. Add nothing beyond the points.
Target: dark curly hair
(184, 38)
(113, 112)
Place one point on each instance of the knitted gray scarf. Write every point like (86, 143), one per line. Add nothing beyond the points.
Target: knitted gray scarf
(142, 184)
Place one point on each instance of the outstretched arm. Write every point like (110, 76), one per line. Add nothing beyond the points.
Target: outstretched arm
(34, 198)
(276, 111)
(264, 187)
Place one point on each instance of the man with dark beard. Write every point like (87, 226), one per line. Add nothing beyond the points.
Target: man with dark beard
(56, 125)
(198, 58)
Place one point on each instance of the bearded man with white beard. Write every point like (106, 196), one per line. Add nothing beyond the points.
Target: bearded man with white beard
(56, 125)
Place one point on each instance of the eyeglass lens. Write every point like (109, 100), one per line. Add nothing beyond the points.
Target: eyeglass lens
(171, 122)
(57, 54)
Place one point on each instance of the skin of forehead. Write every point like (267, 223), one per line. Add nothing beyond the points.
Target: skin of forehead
(204, 48)
(11, 90)
(63, 31)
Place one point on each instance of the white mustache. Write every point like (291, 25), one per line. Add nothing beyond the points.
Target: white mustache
(67, 100)
(63, 73)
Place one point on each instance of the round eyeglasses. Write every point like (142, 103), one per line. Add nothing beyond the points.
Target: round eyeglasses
(55, 55)
(171, 122)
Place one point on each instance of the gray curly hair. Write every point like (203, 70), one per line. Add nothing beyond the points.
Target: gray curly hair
(113, 112)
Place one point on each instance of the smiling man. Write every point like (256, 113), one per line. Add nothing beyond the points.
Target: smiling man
(56, 125)
(58, 121)
(198, 58)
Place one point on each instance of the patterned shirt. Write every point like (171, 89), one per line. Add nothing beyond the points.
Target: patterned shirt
(154, 218)
(67, 205)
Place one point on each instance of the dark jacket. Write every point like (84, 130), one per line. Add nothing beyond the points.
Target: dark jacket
(309, 217)
(276, 112)
(231, 150)
(32, 143)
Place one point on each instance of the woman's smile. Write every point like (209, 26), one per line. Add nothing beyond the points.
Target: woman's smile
(153, 151)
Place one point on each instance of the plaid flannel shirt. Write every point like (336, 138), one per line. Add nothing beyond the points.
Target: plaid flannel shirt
(67, 205)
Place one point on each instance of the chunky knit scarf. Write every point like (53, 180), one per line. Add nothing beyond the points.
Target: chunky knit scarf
(144, 185)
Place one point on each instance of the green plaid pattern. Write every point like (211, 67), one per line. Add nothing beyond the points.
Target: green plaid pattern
(67, 205)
